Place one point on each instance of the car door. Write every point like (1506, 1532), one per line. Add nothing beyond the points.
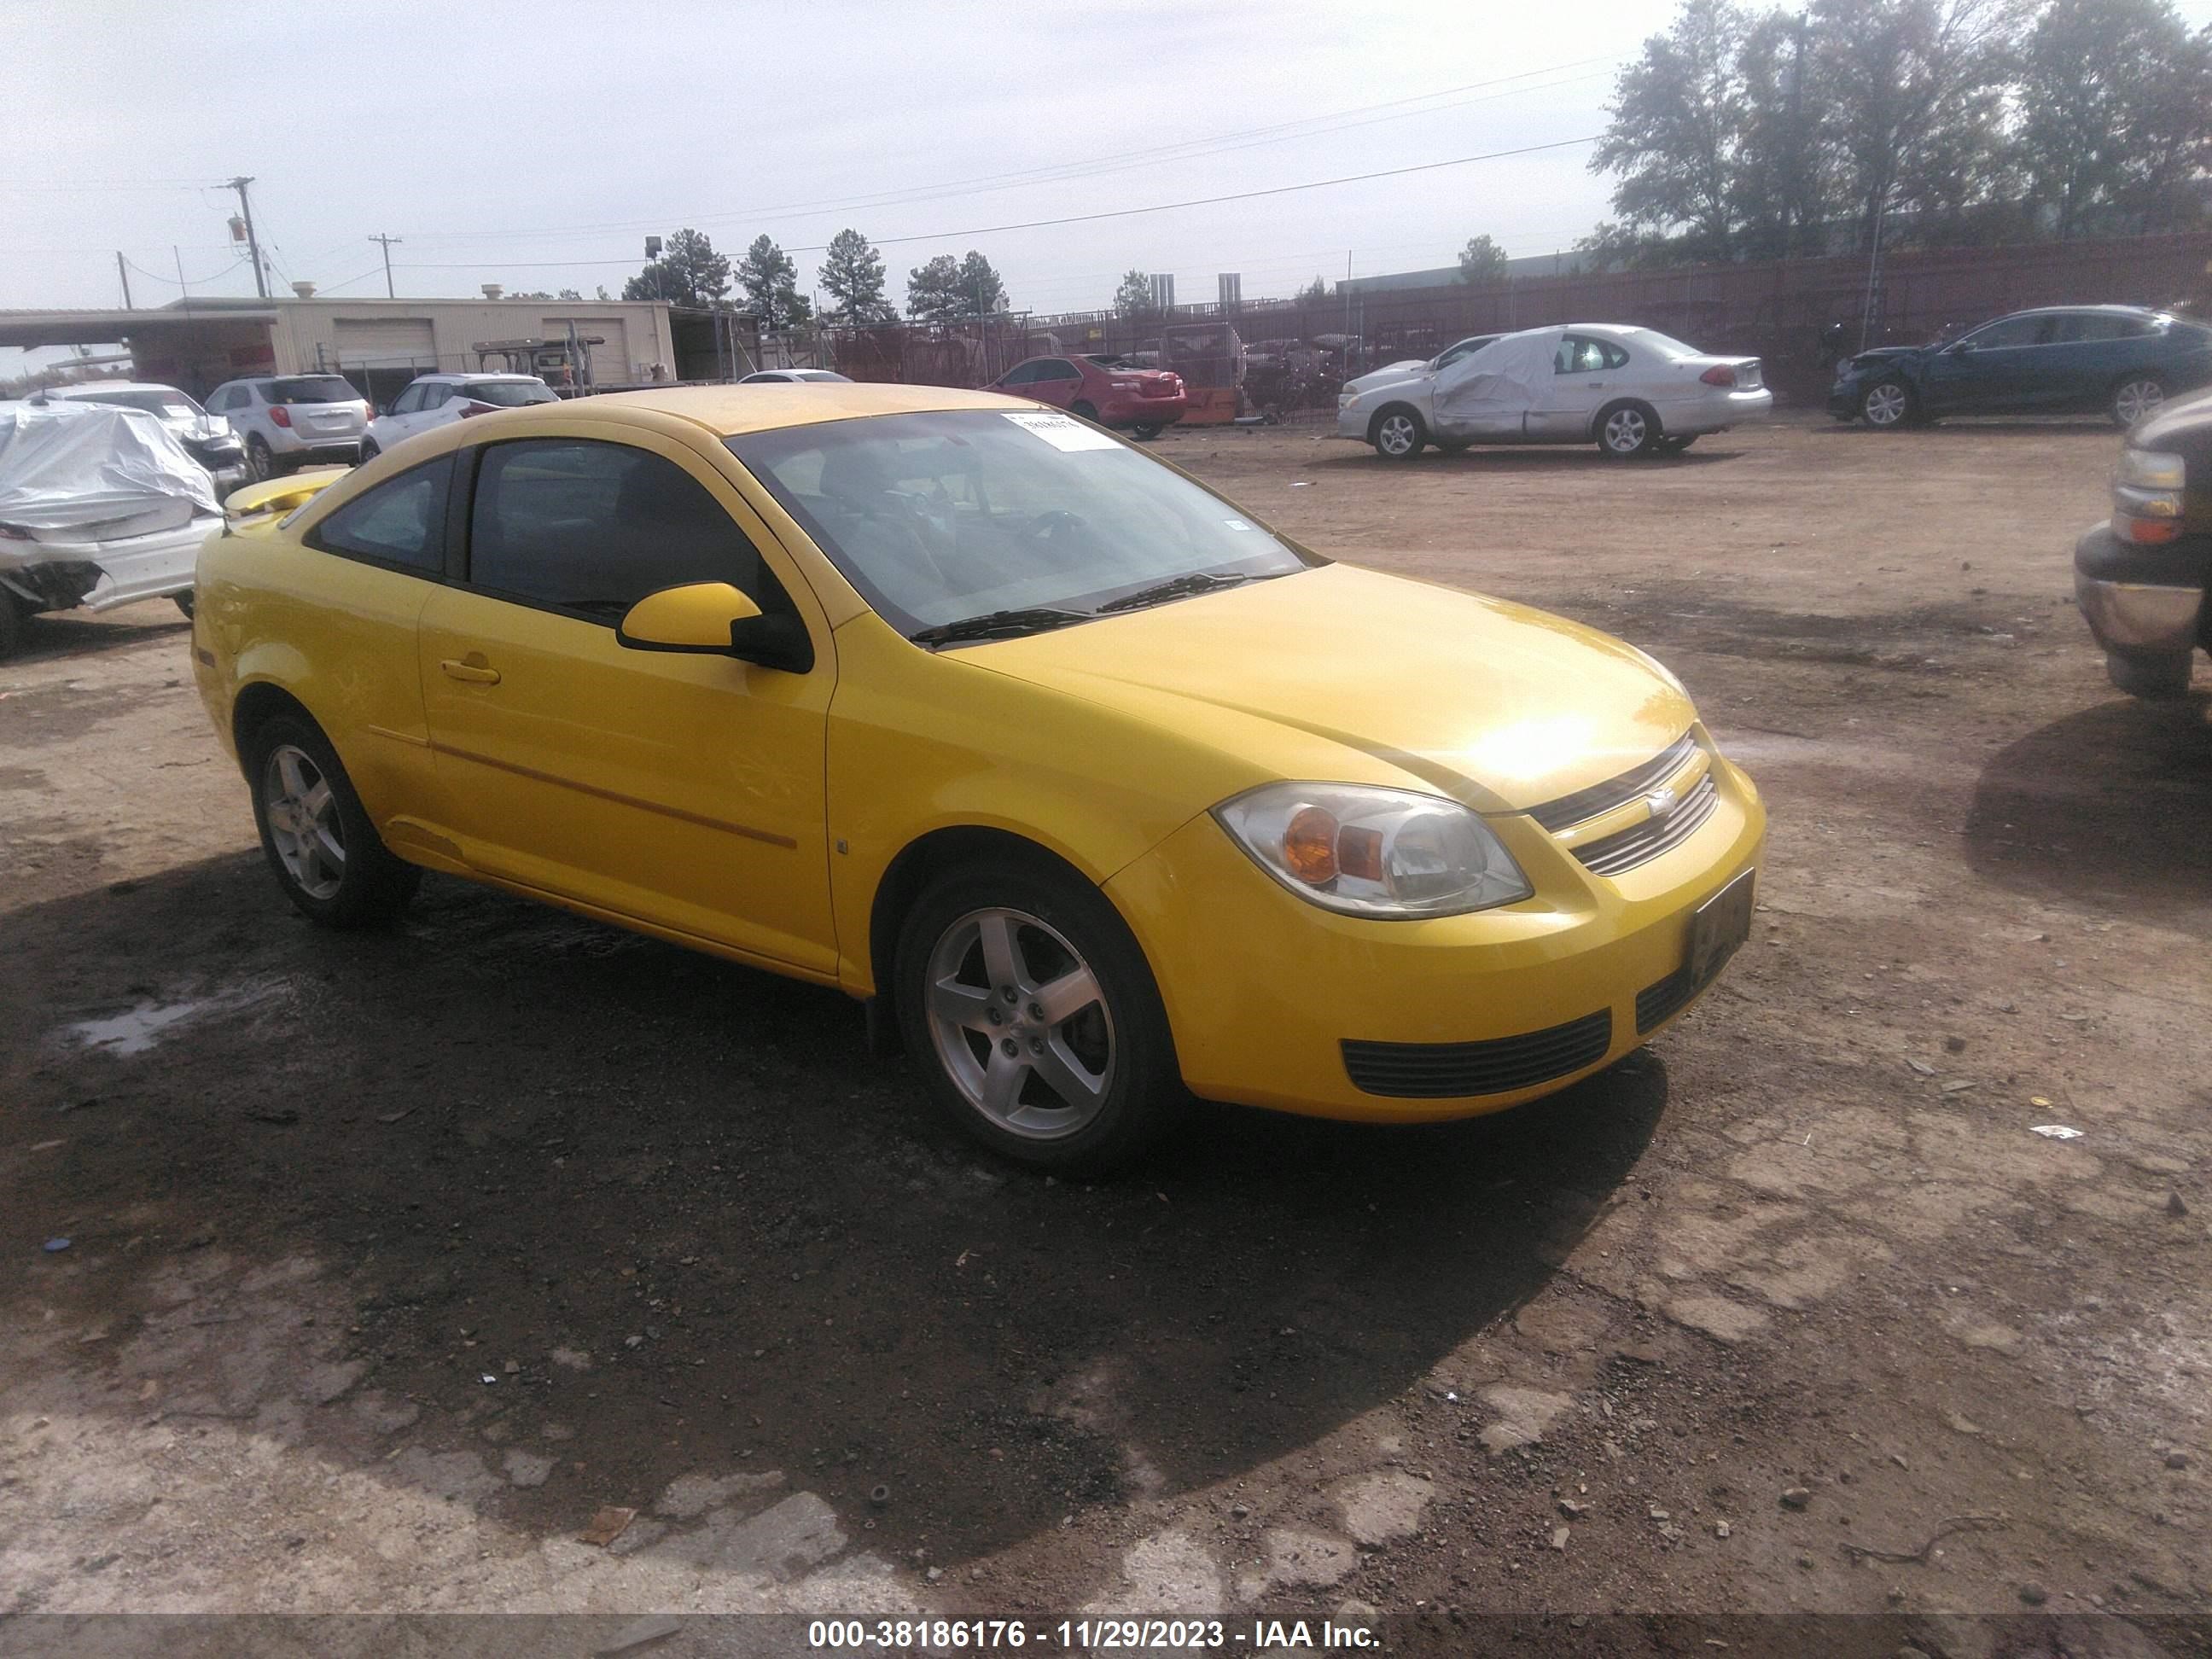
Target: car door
(1058, 382)
(2087, 357)
(1586, 372)
(685, 792)
(440, 403)
(1990, 371)
(405, 409)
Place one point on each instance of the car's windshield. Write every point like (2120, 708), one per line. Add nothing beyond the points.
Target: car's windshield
(170, 404)
(942, 517)
(509, 394)
(315, 389)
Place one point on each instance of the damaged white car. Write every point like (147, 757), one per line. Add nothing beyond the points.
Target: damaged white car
(99, 505)
(1630, 391)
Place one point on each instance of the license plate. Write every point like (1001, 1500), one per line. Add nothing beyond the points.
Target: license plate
(1718, 925)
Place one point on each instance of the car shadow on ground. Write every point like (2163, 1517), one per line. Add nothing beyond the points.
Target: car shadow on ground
(2108, 805)
(52, 633)
(1533, 457)
(503, 1131)
(1974, 426)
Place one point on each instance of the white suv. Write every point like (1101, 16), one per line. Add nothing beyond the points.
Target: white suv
(434, 399)
(293, 420)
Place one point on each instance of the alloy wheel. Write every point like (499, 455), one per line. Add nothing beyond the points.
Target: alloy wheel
(1396, 435)
(2137, 399)
(1020, 1023)
(1627, 431)
(1886, 405)
(302, 815)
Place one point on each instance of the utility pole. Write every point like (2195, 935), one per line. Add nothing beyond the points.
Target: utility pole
(252, 243)
(123, 269)
(386, 242)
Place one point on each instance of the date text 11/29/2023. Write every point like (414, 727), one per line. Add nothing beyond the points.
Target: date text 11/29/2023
(1083, 1635)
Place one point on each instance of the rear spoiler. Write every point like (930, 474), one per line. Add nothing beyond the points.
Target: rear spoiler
(261, 504)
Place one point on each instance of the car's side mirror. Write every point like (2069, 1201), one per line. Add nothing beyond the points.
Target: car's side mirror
(715, 619)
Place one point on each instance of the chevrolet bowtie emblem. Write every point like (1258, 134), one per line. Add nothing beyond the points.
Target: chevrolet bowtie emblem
(1661, 801)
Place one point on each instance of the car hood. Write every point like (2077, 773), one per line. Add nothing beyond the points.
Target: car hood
(1348, 675)
(1883, 354)
(1389, 375)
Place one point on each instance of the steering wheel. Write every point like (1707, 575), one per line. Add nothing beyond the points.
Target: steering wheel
(1047, 525)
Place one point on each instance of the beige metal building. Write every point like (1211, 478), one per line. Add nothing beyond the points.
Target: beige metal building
(381, 343)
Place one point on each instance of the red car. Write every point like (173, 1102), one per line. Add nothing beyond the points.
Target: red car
(1108, 390)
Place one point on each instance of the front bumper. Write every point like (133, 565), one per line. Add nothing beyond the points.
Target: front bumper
(1263, 990)
(2147, 603)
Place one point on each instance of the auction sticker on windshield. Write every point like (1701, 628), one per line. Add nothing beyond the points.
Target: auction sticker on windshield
(1062, 433)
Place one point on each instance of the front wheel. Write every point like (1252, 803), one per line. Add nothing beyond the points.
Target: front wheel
(1886, 406)
(184, 603)
(1626, 430)
(1398, 433)
(1029, 1006)
(315, 833)
(2136, 399)
(14, 625)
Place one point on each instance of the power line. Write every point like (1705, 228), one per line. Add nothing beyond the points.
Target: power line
(176, 282)
(1069, 219)
(1188, 149)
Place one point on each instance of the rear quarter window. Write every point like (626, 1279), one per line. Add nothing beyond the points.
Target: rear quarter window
(401, 523)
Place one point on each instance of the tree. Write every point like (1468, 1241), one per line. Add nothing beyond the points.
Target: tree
(1481, 261)
(1783, 181)
(853, 276)
(1134, 298)
(565, 294)
(689, 272)
(770, 281)
(2116, 113)
(1678, 114)
(1313, 292)
(948, 290)
(1912, 94)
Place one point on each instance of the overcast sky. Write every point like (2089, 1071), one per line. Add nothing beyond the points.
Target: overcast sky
(536, 145)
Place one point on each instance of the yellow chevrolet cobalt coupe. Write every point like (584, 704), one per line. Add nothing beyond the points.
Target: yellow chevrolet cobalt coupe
(1101, 793)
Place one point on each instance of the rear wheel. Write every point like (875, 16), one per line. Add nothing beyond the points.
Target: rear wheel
(315, 833)
(2136, 399)
(1886, 405)
(1626, 430)
(14, 625)
(1397, 433)
(1030, 1008)
(2157, 679)
(1148, 430)
(259, 460)
(369, 452)
(184, 603)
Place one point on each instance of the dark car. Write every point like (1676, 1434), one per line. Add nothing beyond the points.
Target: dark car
(1111, 390)
(2144, 577)
(2062, 359)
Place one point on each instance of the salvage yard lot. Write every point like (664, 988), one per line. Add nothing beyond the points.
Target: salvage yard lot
(394, 1258)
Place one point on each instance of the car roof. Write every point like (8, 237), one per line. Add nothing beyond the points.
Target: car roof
(2046, 311)
(725, 410)
(94, 388)
(448, 374)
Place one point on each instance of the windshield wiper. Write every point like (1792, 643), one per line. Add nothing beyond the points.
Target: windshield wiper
(1000, 625)
(1176, 587)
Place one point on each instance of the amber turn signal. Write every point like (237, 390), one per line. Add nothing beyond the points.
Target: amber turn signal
(1310, 845)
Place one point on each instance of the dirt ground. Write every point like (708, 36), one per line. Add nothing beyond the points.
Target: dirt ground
(393, 1259)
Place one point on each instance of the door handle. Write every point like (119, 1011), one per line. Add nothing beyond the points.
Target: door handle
(475, 671)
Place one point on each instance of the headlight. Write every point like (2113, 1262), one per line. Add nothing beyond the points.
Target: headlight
(2151, 469)
(1348, 389)
(1370, 852)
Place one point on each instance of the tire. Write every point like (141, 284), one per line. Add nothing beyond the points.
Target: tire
(1082, 411)
(1145, 431)
(1886, 405)
(259, 461)
(14, 625)
(369, 452)
(184, 602)
(2156, 679)
(326, 853)
(1626, 430)
(1108, 1078)
(1397, 432)
(1676, 445)
(2136, 399)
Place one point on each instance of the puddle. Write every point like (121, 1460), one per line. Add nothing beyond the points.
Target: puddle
(139, 1028)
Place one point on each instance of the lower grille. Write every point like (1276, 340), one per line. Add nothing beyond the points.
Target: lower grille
(1641, 842)
(1657, 1004)
(1433, 1070)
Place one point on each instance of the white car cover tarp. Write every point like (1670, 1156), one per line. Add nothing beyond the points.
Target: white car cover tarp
(1490, 390)
(66, 464)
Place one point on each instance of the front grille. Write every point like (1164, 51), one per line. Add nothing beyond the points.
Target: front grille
(1641, 842)
(1600, 798)
(1432, 1070)
(1657, 1004)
